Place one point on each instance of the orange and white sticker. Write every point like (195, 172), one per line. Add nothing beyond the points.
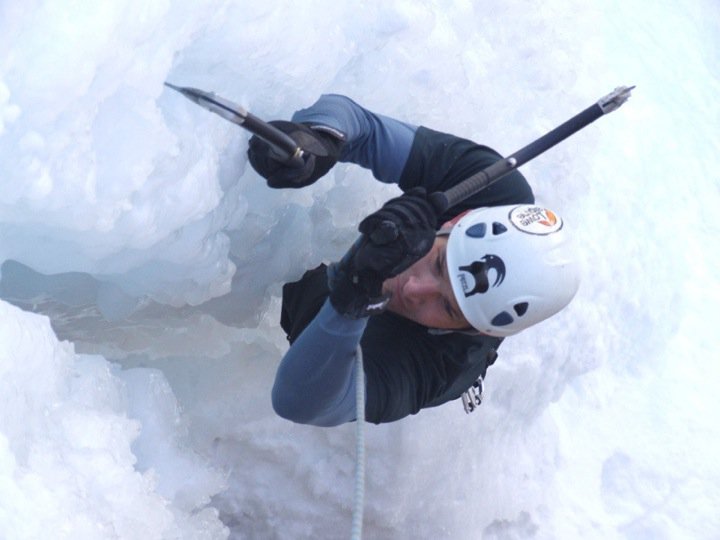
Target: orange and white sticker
(533, 219)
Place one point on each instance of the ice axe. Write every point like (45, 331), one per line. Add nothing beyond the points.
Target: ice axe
(289, 152)
(482, 179)
(285, 148)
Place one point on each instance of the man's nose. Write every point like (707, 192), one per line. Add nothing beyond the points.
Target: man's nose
(420, 288)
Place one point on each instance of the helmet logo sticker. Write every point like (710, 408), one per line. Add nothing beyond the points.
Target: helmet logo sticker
(479, 271)
(535, 220)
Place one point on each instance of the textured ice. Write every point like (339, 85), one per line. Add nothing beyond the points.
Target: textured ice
(139, 407)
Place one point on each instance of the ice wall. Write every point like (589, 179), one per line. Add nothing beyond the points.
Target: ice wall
(130, 217)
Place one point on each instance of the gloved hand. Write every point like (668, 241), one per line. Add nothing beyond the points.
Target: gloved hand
(394, 238)
(321, 152)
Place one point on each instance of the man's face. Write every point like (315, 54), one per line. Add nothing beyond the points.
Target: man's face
(423, 293)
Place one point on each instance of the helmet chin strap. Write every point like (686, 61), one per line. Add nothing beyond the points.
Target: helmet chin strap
(442, 331)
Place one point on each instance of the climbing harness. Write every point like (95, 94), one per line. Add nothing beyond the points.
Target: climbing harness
(472, 397)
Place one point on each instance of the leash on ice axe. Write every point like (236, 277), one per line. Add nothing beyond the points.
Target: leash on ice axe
(290, 153)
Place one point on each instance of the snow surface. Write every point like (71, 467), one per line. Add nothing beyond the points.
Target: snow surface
(130, 218)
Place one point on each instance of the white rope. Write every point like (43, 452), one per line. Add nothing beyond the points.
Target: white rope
(357, 522)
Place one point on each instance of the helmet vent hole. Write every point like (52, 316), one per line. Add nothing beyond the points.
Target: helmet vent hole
(502, 319)
(477, 231)
(520, 308)
(498, 228)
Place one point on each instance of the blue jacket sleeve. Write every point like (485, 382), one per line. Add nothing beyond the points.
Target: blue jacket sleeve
(373, 141)
(315, 383)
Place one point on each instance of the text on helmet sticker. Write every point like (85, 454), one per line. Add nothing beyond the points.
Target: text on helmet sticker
(535, 219)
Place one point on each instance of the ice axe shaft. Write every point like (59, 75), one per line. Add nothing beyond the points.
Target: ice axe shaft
(284, 147)
(493, 173)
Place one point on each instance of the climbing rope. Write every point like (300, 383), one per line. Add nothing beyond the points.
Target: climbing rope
(357, 522)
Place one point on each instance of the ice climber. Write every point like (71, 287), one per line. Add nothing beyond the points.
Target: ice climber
(429, 297)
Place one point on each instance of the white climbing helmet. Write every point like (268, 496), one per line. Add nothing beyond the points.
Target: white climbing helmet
(511, 267)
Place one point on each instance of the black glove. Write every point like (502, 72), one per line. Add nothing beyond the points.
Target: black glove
(394, 238)
(355, 292)
(321, 152)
